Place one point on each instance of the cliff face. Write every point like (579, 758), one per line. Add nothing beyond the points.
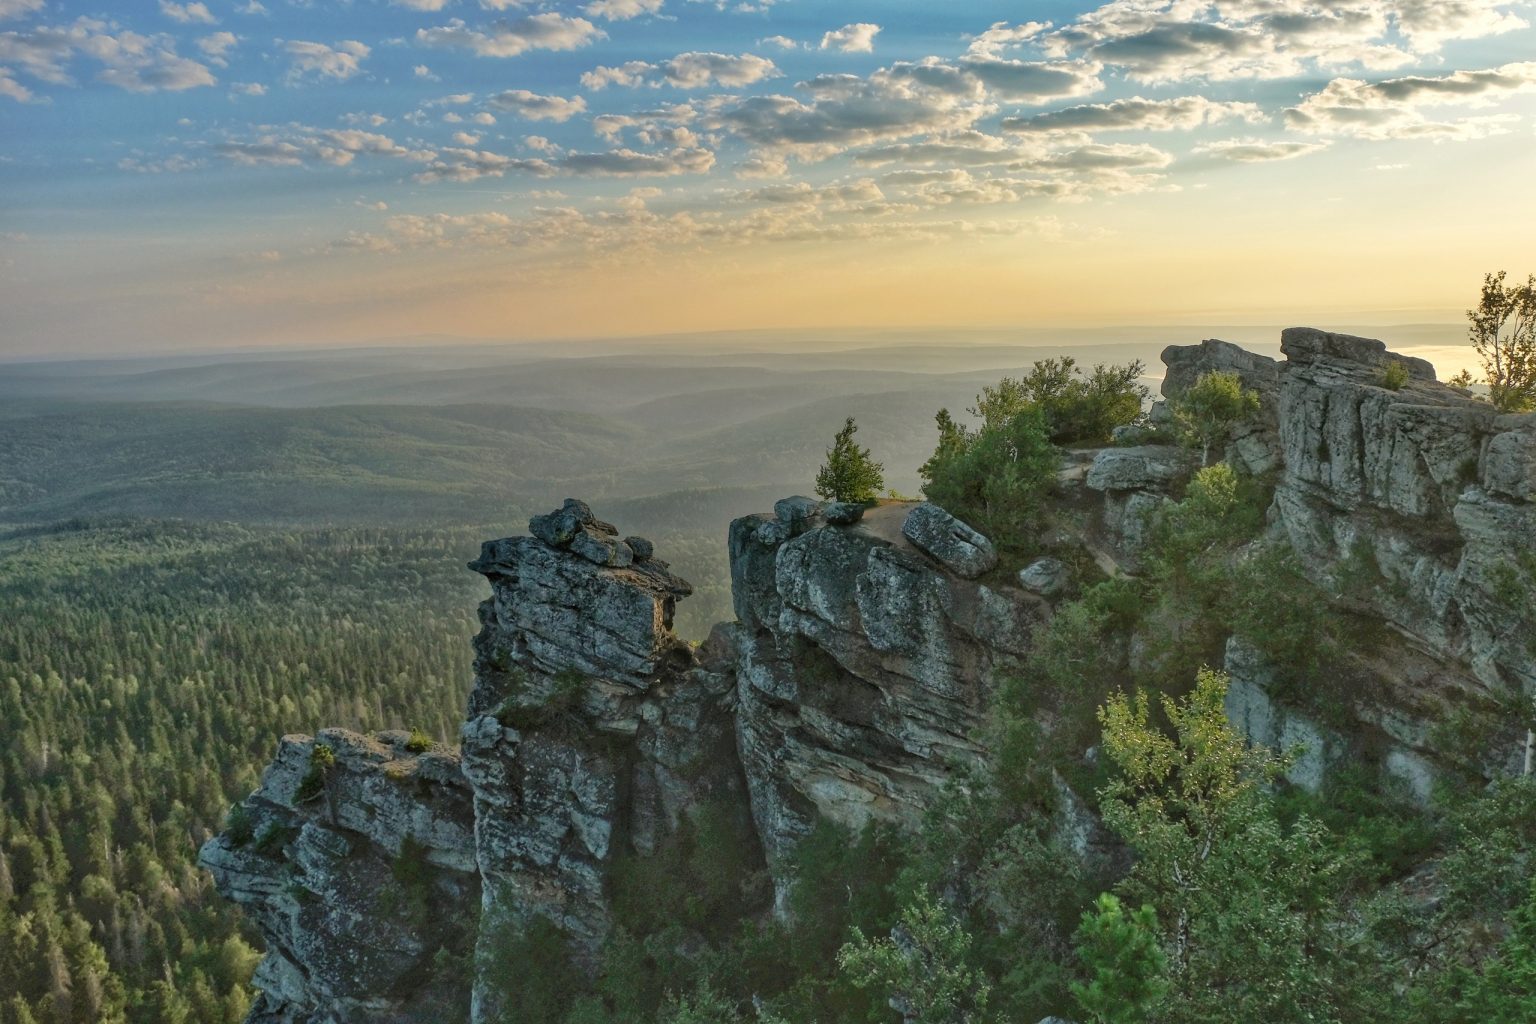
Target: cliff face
(850, 686)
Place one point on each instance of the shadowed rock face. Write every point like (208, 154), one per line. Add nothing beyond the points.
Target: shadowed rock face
(862, 667)
(316, 868)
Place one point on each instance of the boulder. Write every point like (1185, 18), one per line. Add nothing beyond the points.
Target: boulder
(1307, 345)
(961, 549)
(796, 513)
(1044, 576)
(642, 549)
(1150, 467)
(843, 513)
(1188, 363)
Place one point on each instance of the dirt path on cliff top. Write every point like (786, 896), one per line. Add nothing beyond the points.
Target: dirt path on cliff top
(884, 521)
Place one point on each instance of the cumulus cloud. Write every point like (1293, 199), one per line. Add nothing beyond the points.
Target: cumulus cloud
(697, 70)
(856, 38)
(187, 14)
(16, 8)
(622, 10)
(1136, 114)
(469, 164)
(296, 145)
(216, 45)
(318, 60)
(782, 42)
(128, 60)
(247, 89)
(694, 70)
(1251, 151)
(1174, 40)
(1396, 108)
(422, 5)
(1002, 36)
(535, 107)
(547, 31)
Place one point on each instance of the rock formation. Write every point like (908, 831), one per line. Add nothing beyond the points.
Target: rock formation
(850, 685)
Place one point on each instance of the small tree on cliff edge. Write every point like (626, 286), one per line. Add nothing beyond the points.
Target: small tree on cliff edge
(1503, 330)
(849, 473)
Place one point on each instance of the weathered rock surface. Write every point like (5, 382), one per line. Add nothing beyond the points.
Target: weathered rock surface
(961, 549)
(315, 870)
(862, 667)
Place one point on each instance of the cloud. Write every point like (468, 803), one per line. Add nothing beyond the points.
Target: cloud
(622, 10)
(1177, 40)
(1136, 114)
(856, 38)
(548, 31)
(422, 5)
(628, 74)
(470, 164)
(694, 70)
(216, 45)
(16, 8)
(782, 42)
(247, 89)
(128, 60)
(1002, 36)
(1021, 81)
(340, 62)
(535, 107)
(187, 14)
(1250, 151)
(296, 145)
(1394, 108)
(697, 70)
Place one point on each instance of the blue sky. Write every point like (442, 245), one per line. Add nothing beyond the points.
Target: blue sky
(238, 172)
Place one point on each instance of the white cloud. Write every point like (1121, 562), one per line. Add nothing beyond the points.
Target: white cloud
(216, 45)
(628, 74)
(341, 61)
(127, 59)
(422, 5)
(1136, 114)
(1002, 36)
(547, 31)
(1395, 108)
(187, 14)
(535, 107)
(855, 38)
(1248, 151)
(247, 89)
(697, 70)
(16, 8)
(782, 42)
(622, 10)
(296, 145)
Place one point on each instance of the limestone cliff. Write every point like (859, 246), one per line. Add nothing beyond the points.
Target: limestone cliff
(852, 681)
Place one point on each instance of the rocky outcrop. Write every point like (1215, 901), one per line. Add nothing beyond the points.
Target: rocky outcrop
(356, 861)
(851, 683)
(862, 665)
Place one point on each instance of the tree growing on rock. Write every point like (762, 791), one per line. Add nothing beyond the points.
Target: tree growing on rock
(849, 474)
(1503, 330)
(1206, 412)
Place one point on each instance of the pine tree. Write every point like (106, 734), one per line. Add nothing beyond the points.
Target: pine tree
(849, 473)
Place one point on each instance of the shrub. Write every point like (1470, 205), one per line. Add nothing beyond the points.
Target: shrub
(238, 826)
(419, 742)
(996, 479)
(1394, 375)
(321, 760)
(1206, 412)
(849, 474)
(1503, 330)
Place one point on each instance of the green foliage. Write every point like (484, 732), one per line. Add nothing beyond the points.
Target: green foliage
(412, 872)
(419, 742)
(996, 479)
(145, 672)
(238, 825)
(1078, 408)
(1394, 375)
(1125, 966)
(528, 972)
(321, 760)
(1503, 330)
(849, 474)
(1248, 904)
(923, 968)
(1206, 412)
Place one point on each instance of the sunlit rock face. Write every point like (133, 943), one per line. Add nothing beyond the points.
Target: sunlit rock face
(361, 878)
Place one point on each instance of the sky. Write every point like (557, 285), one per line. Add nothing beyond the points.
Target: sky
(194, 176)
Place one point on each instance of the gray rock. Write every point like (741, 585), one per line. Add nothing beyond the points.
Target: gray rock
(1044, 576)
(643, 549)
(956, 545)
(1153, 467)
(796, 513)
(843, 513)
(1188, 363)
(1306, 345)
